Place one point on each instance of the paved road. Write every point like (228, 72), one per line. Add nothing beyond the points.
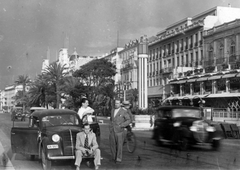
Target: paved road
(146, 156)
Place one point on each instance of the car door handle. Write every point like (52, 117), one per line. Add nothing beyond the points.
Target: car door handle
(13, 133)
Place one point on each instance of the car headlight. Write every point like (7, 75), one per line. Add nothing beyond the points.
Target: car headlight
(176, 124)
(55, 138)
(194, 128)
(210, 129)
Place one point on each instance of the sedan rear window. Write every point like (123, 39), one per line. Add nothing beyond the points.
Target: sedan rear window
(186, 113)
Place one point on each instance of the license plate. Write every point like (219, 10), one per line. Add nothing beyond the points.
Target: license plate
(52, 146)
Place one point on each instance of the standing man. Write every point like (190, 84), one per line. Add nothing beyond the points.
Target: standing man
(119, 120)
(86, 144)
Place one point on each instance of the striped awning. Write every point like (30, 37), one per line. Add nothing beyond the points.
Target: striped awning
(229, 75)
(215, 77)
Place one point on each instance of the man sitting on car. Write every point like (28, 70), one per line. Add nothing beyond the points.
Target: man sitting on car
(86, 145)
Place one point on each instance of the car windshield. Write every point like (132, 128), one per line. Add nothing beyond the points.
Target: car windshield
(58, 120)
(186, 113)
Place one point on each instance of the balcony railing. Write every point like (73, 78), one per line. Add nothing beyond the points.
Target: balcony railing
(219, 60)
(232, 59)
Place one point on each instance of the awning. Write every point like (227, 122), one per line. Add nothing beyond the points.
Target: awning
(223, 95)
(191, 80)
(229, 75)
(186, 97)
(202, 78)
(238, 75)
(192, 96)
(172, 98)
(182, 81)
(215, 77)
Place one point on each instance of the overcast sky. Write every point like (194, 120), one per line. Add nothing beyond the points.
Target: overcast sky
(29, 27)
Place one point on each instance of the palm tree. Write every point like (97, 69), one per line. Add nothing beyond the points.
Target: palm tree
(38, 91)
(56, 73)
(23, 80)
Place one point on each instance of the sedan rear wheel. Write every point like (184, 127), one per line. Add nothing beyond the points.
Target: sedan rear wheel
(46, 164)
(216, 144)
(183, 144)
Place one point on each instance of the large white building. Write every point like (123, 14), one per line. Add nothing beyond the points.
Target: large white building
(178, 51)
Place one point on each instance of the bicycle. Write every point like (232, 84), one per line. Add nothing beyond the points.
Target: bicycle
(131, 141)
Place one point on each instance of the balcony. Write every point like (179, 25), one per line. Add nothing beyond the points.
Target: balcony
(220, 60)
(209, 62)
(232, 59)
(167, 70)
(191, 46)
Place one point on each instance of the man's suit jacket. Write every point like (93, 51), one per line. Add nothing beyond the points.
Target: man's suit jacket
(120, 121)
(80, 140)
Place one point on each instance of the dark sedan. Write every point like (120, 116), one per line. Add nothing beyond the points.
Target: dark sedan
(184, 126)
(50, 135)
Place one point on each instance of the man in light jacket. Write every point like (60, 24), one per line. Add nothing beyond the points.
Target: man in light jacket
(88, 148)
(119, 120)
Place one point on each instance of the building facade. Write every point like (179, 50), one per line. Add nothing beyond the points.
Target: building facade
(178, 52)
(8, 96)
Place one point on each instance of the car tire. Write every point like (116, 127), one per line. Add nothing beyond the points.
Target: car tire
(46, 164)
(158, 139)
(216, 144)
(32, 157)
(183, 144)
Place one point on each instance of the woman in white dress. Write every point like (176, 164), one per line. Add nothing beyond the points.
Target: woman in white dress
(85, 110)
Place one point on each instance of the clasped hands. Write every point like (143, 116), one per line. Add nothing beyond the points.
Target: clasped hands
(88, 151)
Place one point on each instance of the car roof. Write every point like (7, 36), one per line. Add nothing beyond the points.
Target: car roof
(170, 107)
(37, 108)
(52, 112)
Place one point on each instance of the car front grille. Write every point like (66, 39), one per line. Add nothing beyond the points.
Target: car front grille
(69, 142)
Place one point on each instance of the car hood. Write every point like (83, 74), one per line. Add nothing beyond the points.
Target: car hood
(187, 121)
(60, 129)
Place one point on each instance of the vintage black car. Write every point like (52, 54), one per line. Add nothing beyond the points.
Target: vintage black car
(50, 135)
(184, 126)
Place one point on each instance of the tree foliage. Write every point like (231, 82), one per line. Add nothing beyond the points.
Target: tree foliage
(97, 78)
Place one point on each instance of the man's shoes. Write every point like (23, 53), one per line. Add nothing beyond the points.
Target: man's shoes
(118, 161)
(96, 167)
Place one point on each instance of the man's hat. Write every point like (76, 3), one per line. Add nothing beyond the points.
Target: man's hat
(126, 103)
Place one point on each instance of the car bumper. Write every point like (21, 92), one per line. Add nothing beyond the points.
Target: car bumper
(60, 157)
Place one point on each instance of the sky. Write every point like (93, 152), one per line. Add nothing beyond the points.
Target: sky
(28, 28)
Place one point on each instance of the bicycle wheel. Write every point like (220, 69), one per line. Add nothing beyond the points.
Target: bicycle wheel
(131, 142)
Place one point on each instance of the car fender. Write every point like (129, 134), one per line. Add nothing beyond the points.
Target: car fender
(184, 132)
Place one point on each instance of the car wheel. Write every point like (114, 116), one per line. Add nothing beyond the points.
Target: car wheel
(32, 157)
(183, 144)
(216, 144)
(158, 139)
(46, 164)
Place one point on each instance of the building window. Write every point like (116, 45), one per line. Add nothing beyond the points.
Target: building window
(210, 52)
(157, 53)
(232, 49)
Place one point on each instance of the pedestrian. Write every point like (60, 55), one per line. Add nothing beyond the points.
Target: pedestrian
(86, 145)
(118, 121)
(85, 110)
